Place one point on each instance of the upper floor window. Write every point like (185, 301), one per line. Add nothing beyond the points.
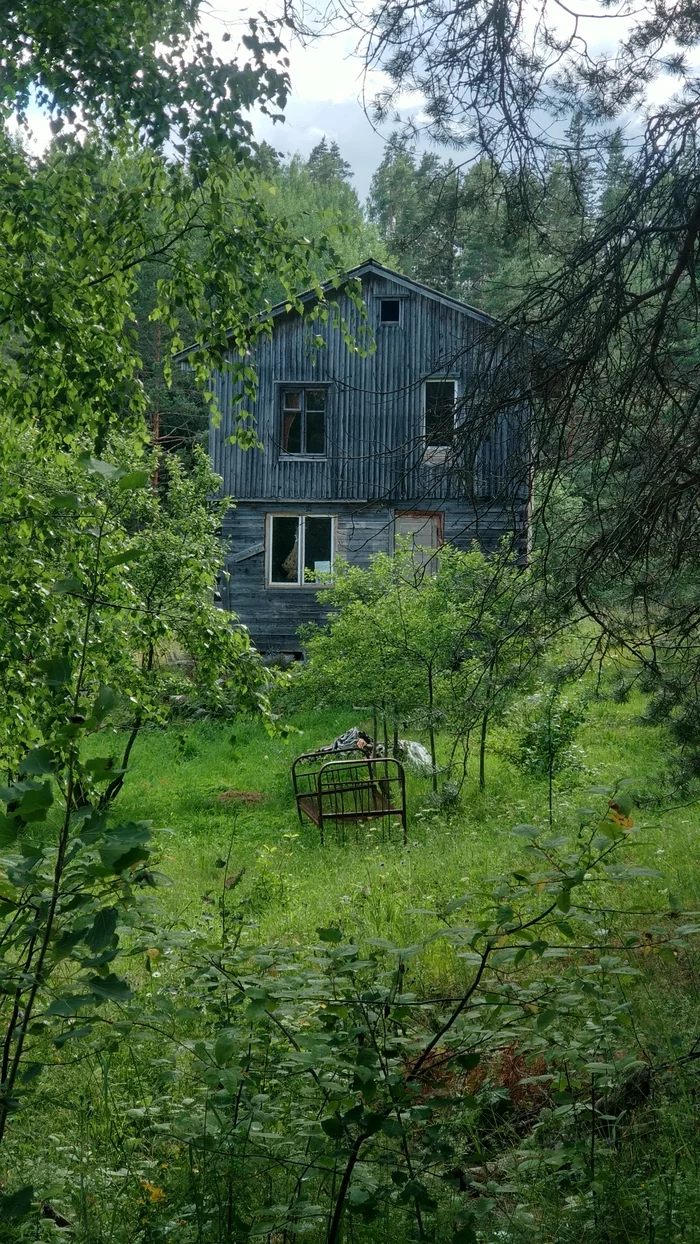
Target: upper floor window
(304, 421)
(390, 311)
(439, 413)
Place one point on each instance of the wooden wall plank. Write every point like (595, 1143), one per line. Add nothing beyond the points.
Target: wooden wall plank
(375, 454)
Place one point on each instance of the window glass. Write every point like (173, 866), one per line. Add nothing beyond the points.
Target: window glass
(285, 549)
(390, 310)
(315, 432)
(291, 434)
(304, 421)
(291, 421)
(317, 547)
(302, 549)
(315, 399)
(439, 412)
(315, 421)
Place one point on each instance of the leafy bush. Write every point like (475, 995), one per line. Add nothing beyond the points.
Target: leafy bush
(317, 1087)
(543, 732)
(97, 554)
(445, 650)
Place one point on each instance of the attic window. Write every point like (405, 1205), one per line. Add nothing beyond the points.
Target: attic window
(390, 311)
(304, 422)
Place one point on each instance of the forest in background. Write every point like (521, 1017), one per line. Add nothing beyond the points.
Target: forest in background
(454, 226)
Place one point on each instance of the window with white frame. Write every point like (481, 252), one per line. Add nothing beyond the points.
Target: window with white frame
(304, 421)
(440, 396)
(300, 549)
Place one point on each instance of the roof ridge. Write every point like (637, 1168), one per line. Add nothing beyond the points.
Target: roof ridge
(369, 265)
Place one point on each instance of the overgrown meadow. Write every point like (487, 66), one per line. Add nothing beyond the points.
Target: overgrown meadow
(274, 1012)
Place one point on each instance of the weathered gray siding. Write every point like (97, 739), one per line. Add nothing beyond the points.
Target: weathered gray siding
(375, 463)
(274, 614)
(375, 407)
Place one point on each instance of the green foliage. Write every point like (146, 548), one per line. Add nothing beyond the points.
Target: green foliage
(546, 726)
(315, 197)
(107, 1157)
(150, 65)
(100, 575)
(462, 1083)
(96, 216)
(306, 200)
(484, 234)
(325, 164)
(105, 581)
(443, 647)
(177, 412)
(320, 1088)
(69, 892)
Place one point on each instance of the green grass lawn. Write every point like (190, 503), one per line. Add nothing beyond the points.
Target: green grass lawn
(370, 885)
(371, 888)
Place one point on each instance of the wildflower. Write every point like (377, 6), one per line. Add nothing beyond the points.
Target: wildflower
(155, 1195)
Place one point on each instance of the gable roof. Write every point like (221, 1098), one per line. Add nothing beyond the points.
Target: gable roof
(379, 269)
(373, 267)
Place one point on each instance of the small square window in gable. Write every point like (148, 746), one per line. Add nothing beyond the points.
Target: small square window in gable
(390, 311)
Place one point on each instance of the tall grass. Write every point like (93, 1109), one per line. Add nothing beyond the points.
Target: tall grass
(79, 1144)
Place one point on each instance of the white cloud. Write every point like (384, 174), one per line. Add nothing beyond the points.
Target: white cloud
(36, 134)
(329, 89)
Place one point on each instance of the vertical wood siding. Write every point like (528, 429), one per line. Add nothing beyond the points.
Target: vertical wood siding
(375, 407)
(375, 454)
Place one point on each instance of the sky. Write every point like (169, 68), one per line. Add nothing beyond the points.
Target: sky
(328, 87)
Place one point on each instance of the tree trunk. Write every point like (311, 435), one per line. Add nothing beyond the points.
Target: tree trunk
(433, 756)
(156, 419)
(482, 751)
(484, 727)
(551, 778)
(465, 758)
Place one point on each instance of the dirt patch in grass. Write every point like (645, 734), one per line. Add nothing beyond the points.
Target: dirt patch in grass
(240, 796)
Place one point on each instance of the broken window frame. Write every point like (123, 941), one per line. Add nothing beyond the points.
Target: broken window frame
(425, 556)
(301, 580)
(439, 446)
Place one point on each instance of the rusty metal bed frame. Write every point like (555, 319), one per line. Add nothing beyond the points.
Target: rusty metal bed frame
(336, 789)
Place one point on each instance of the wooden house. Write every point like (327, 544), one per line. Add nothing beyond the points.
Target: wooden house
(406, 440)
